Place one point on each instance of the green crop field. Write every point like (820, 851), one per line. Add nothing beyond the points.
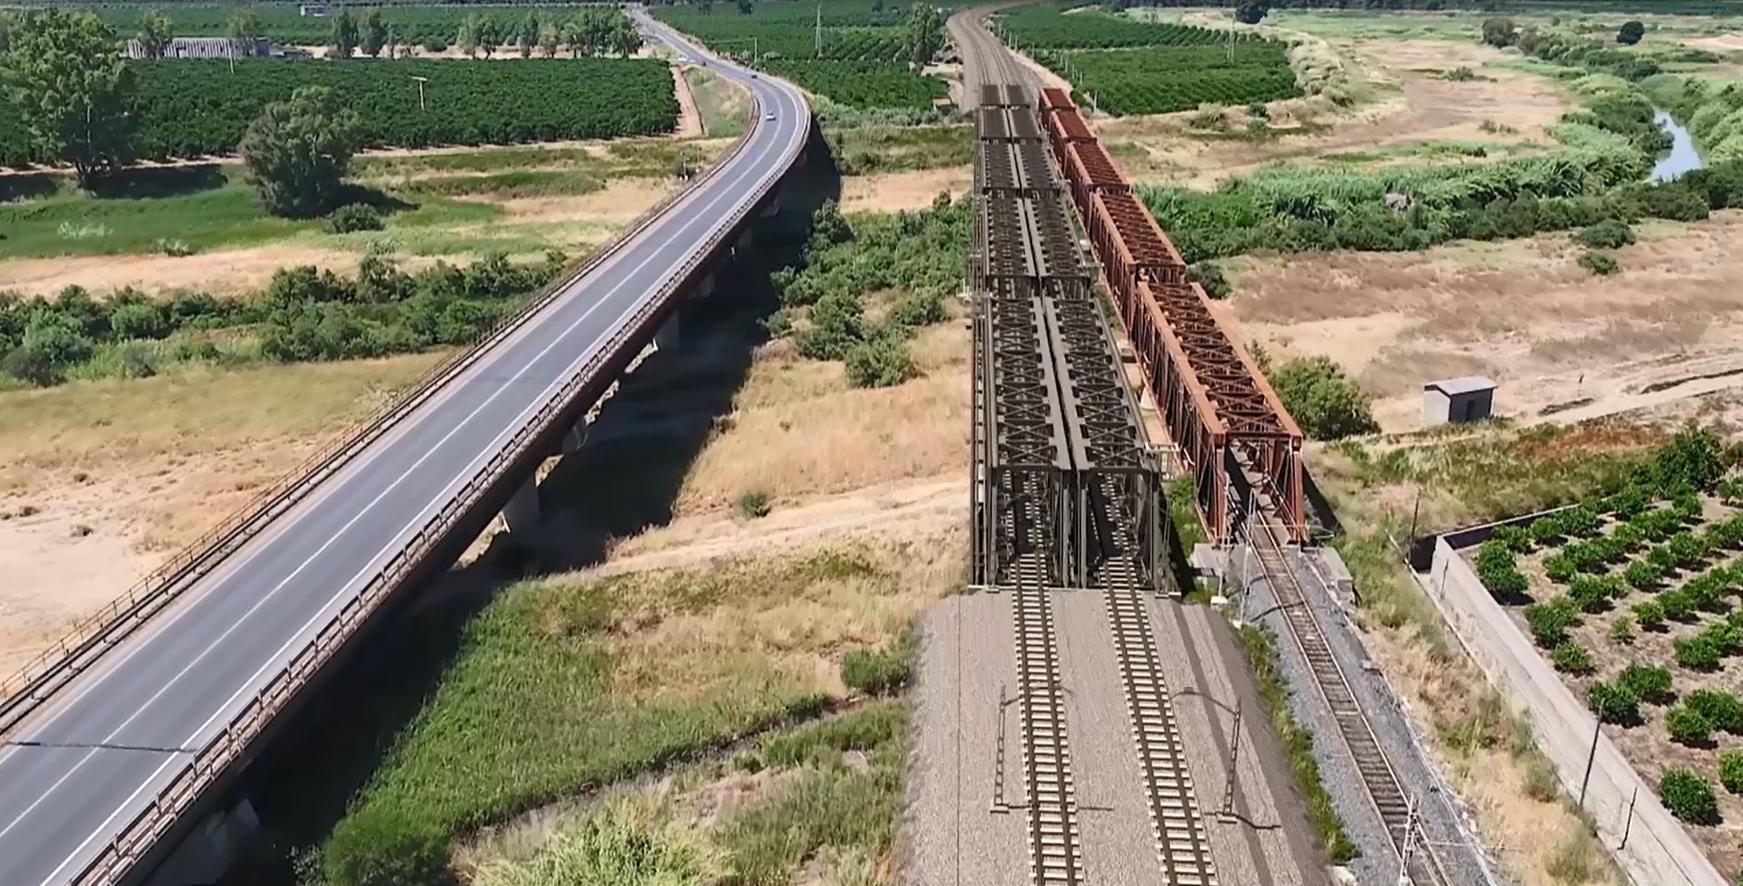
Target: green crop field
(858, 62)
(1160, 80)
(189, 108)
(861, 84)
(1049, 27)
(853, 30)
(283, 24)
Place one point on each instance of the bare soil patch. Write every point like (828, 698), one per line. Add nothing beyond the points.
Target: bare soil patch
(103, 480)
(229, 272)
(897, 191)
(1522, 312)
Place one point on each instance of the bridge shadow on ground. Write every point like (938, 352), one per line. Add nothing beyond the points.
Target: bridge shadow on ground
(625, 478)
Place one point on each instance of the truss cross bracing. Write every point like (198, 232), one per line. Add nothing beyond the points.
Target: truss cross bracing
(1222, 415)
(1055, 420)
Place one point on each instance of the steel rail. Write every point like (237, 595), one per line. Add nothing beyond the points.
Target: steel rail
(90, 637)
(1182, 844)
(137, 838)
(1379, 779)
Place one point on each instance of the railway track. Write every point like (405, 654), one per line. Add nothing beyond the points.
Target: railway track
(1055, 843)
(1378, 777)
(1182, 846)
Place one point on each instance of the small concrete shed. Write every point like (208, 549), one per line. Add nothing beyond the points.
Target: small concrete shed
(1457, 400)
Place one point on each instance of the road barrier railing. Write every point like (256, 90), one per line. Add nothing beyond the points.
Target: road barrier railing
(209, 764)
(91, 636)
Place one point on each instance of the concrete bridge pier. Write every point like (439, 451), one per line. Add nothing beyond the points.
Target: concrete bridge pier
(671, 333)
(745, 240)
(576, 436)
(521, 514)
(210, 849)
(773, 207)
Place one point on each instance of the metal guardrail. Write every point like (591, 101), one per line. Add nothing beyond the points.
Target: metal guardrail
(151, 823)
(94, 634)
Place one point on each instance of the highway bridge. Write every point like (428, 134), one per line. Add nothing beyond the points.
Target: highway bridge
(113, 747)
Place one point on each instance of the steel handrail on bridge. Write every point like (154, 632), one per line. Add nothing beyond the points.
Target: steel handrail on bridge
(143, 832)
(94, 634)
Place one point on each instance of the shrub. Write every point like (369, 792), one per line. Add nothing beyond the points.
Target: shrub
(1559, 568)
(1549, 622)
(1731, 770)
(1677, 605)
(1650, 613)
(138, 320)
(1687, 548)
(879, 362)
(1622, 630)
(919, 309)
(1514, 538)
(1613, 703)
(1600, 263)
(1324, 400)
(1686, 726)
(1688, 797)
(1572, 658)
(1627, 537)
(1589, 594)
(298, 151)
(1581, 520)
(1607, 234)
(1651, 684)
(51, 345)
(1696, 653)
(354, 217)
(877, 672)
(1545, 529)
(1209, 276)
(1641, 574)
(1628, 503)
(754, 504)
(1721, 708)
(837, 323)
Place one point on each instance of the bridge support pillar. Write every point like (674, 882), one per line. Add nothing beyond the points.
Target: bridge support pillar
(773, 207)
(705, 288)
(670, 333)
(744, 241)
(209, 850)
(521, 513)
(577, 435)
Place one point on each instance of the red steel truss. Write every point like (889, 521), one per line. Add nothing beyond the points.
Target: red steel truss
(1225, 419)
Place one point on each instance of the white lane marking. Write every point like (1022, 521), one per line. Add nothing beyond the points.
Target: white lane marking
(495, 445)
(228, 569)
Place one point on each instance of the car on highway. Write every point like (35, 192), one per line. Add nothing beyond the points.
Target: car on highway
(769, 116)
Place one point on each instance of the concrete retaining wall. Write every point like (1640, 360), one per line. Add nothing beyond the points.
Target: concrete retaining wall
(1658, 852)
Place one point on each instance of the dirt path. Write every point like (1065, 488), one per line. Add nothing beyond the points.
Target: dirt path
(689, 118)
(908, 507)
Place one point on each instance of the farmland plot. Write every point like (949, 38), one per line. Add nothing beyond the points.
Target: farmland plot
(1161, 80)
(1049, 27)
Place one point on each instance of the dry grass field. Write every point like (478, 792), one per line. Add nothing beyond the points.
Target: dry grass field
(1521, 312)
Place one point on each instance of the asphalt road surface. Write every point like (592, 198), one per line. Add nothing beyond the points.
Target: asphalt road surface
(83, 766)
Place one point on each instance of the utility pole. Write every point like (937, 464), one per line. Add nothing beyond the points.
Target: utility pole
(421, 82)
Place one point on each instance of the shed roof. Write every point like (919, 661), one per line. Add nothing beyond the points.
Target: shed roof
(1469, 384)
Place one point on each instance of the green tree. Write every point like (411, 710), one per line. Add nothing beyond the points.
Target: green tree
(1630, 33)
(154, 33)
(528, 35)
(51, 343)
(1499, 32)
(243, 28)
(345, 35)
(466, 37)
(5, 32)
(549, 36)
(623, 38)
(924, 34)
(745, 7)
(1324, 401)
(64, 74)
(489, 35)
(298, 151)
(1251, 12)
(374, 34)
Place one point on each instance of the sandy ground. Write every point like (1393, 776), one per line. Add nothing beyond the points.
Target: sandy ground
(1521, 312)
(689, 119)
(1412, 106)
(894, 191)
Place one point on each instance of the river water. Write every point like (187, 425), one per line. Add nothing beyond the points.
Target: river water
(1682, 157)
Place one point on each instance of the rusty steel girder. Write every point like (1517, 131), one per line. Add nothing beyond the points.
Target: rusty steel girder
(1225, 419)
